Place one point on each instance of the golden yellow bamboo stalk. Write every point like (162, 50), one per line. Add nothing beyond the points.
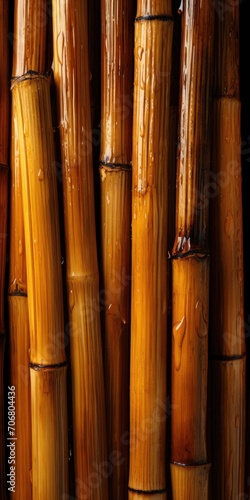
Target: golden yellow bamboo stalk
(44, 281)
(190, 260)
(115, 194)
(19, 327)
(4, 160)
(72, 84)
(228, 398)
(152, 49)
(28, 53)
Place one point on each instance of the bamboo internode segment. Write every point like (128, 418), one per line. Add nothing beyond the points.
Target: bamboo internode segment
(194, 126)
(116, 242)
(19, 339)
(226, 308)
(115, 193)
(41, 221)
(20, 378)
(153, 48)
(190, 482)
(49, 436)
(189, 359)
(30, 26)
(70, 41)
(227, 429)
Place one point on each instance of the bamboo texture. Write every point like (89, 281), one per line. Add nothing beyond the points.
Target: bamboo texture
(19, 338)
(227, 307)
(4, 161)
(31, 99)
(190, 260)
(72, 84)
(115, 221)
(152, 49)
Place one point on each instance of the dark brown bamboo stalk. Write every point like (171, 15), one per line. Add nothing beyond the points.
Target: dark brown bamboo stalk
(4, 171)
(152, 49)
(227, 303)
(71, 73)
(190, 260)
(115, 191)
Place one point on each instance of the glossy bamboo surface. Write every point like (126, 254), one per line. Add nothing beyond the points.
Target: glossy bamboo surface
(115, 215)
(49, 438)
(19, 339)
(30, 24)
(153, 47)
(72, 86)
(190, 262)
(31, 100)
(41, 221)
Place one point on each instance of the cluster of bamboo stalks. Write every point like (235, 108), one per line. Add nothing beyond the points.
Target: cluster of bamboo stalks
(125, 301)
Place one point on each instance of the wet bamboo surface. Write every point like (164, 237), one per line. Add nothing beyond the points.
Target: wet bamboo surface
(72, 84)
(31, 99)
(4, 175)
(115, 219)
(19, 338)
(152, 50)
(190, 260)
(228, 362)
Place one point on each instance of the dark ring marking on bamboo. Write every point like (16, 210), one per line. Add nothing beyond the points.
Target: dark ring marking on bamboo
(37, 367)
(152, 17)
(197, 252)
(180, 464)
(18, 293)
(234, 357)
(147, 492)
(124, 166)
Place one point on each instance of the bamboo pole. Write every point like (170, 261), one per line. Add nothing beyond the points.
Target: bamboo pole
(19, 338)
(115, 194)
(88, 400)
(41, 224)
(153, 47)
(4, 160)
(228, 348)
(190, 261)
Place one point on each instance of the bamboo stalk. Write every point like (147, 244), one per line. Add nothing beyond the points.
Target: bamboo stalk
(19, 338)
(153, 47)
(190, 261)
(88, 400)
(28, 54)
(4, 160)
(41, 224)
(227, 309)
(115, 194)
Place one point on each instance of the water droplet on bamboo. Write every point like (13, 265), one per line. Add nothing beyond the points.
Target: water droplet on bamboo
(229, 224)
(179, 330)
(20, 247)
(140, 51)
(200, 319)
(60, 47)
(71, 300)
(142, 129)
(40, 174)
